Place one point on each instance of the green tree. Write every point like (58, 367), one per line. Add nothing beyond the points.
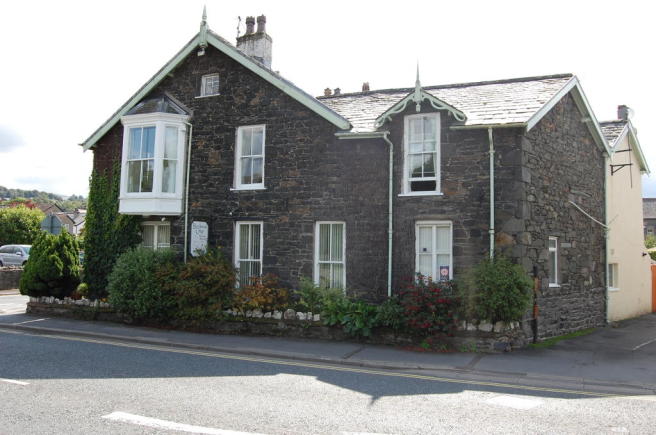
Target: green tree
(107, 233)
(650, 242)
(53, 268)
(19, 225)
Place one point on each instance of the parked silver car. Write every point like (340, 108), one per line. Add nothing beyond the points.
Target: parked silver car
(14, 255)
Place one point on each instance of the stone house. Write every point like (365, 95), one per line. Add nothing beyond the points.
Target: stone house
(629, 272)
(649, 216)
(363, 190)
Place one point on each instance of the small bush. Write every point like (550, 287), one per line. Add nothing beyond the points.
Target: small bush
(357, 318)
(202, 288)
(134, 288)
(391, 314)
(53, 268)
(429, 307)
(262, 293)
(497, 290)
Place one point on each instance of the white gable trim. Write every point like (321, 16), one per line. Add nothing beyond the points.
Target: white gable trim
(634, 144)
(582, 103)
(411, 98)
(218, 43)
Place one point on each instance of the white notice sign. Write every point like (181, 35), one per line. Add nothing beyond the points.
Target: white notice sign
(198, 244)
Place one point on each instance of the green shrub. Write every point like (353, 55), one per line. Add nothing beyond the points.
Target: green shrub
(53, 268)
(134, 288)
(650, 242)
(19, 225)
(357, 318)
(202, 288)
(262, 293)
(391, 314)
(497, 290)
(429, 306)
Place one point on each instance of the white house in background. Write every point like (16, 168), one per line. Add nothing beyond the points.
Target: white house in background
(629, 274)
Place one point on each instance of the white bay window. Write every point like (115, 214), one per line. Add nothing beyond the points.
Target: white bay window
(152, 164)
(434, 250)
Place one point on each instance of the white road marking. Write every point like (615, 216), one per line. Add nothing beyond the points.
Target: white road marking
(644, 344)
(11, 381)
(156, 423)
(30, 321)
(514, 402)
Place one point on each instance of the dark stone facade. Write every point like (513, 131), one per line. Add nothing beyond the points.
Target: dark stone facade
(311, 176)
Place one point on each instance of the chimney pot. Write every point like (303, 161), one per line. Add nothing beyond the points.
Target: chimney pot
(250, 25)
(623, 112)
(337, 91)
(261, 24)
(365, 87)
(327, 92)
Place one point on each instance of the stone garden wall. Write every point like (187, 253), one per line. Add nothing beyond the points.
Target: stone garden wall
(10, 277)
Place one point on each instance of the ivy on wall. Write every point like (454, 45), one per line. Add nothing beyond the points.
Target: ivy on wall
(108, 233)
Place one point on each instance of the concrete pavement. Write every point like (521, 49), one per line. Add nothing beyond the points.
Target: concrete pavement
(623, 355)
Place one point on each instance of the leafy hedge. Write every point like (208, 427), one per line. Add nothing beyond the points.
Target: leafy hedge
(19, 225)
(107, 233)
(53, 268)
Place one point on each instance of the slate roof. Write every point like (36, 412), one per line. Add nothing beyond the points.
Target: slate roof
(612, 129)
(484, 103)
(649, 208)
(162, 104)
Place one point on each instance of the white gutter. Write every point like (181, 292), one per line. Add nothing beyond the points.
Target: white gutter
(186, 209)
(491, 231)
(383, 135)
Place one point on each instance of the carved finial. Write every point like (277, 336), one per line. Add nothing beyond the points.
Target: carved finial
(203, 33)
(417, 96)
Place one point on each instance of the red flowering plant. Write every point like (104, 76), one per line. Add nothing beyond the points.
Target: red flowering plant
(429, 306)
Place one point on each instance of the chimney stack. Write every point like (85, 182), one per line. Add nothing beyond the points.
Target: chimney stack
(337, 91)
(256, 45)
(623, 112)
(327, 92)
(365, 87)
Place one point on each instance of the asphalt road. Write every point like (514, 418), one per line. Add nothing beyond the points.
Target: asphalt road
(75, 385)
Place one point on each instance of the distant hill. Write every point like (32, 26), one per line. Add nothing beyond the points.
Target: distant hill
(69, 204)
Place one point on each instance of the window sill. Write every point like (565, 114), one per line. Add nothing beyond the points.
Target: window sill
(613, 289)
(207, 96)
(247, 189)
(421, 194)
(551, 285)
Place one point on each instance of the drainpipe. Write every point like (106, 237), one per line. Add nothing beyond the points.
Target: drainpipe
(606, 231)
(491, 231)
(390, 215)
(186, 206)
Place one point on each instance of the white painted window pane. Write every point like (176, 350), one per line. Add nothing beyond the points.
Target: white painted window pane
(148, 236)
(324, 274)
(148, 143)
(171, 143)
(337, 246)
(246, 170)
(163, 236)
(429, 165)
(134, 171)
(426, 240)
(337, 280)
(324, 242)
(429, 128)
(416, 126)
(258, 141)
(168, 176)
(424, 266)
(257, 170)
(416, 164)
(246, 135)
(552, 243)
(255, 242)
(442, 267)
(552, 267)
(147, 170)
(243, 241)
(429, 145)
(416, 147)
(134, 151)
(443, 239)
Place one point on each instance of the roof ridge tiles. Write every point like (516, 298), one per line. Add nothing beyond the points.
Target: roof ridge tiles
(452, 85)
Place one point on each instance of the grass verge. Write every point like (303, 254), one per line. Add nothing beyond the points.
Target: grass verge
(553, 340)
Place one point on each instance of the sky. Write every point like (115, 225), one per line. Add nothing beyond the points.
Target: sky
(69, 65)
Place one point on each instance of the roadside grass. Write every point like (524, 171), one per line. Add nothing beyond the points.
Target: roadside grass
(553, 340)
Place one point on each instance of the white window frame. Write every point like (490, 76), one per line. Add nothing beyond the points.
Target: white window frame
(316, 251)
(406, 157)
(436, 252)
(203, 84)
(155, 202)
(613, 277)
(156, 228)
(553, 250)
(238, 146)
(237, 253)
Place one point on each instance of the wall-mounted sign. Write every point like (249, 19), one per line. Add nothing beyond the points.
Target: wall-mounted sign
(444, 273)
(198, 245)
